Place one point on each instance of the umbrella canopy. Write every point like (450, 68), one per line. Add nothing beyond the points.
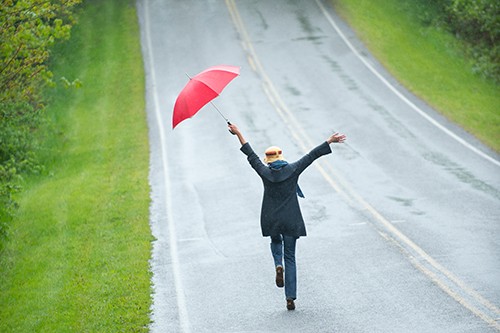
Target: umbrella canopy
(201, 89)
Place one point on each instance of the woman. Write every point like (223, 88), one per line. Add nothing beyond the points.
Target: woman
(280, 217)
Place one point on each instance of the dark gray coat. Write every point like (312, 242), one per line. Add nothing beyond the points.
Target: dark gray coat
(280, 213)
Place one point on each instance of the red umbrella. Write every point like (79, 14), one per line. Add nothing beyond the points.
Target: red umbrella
(201, 89)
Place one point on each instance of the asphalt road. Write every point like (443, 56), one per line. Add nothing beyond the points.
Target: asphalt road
(402, 219)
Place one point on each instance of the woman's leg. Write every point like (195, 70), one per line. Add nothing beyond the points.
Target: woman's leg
(277, 251)
(290, 267)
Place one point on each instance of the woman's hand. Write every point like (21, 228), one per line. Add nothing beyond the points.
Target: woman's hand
(234, 130)
(336, 137)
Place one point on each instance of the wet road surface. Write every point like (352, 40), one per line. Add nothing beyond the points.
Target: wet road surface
(402, 219)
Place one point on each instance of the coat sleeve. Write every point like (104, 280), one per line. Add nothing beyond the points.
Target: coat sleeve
(304, 162)
(253, 159)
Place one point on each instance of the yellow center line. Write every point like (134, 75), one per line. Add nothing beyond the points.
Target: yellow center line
(351, 197)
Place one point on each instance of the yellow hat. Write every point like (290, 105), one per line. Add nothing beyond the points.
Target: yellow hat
(273, 154)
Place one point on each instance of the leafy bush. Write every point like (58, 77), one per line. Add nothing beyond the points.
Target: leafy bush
(475, 20)
(16, 153)
(477, 23)
(28, 29)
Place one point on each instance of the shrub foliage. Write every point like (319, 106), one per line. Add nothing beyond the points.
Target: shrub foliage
(28, 29)
(477, 22)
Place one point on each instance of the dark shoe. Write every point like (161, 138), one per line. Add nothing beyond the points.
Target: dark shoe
(290, 304)
(279, 277)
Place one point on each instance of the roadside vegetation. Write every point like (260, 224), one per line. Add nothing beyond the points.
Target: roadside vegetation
(447, 52)
(75, 252)
(28, 29)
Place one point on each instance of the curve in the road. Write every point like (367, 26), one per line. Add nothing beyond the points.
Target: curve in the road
(399, 94)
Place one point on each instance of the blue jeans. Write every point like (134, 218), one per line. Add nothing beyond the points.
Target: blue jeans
(286, 243)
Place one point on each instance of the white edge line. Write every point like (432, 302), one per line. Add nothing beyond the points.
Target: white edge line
(179, 289)
(395, 91)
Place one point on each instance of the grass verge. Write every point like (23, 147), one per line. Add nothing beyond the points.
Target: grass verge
(427, 60)
(78, 251)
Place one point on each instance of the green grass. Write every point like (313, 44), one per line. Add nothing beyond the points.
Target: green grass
(428, 61)
(78, 250)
